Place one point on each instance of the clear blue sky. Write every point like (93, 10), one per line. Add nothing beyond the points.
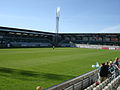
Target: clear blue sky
(79, 16)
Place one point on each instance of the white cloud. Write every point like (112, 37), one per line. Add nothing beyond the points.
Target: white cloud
(113, 29)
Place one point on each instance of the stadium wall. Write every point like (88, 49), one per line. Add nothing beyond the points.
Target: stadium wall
(107, 47)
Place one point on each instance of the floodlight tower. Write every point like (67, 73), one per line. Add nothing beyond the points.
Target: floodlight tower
(57, 25)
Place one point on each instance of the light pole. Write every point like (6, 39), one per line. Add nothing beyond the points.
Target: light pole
(57, 25)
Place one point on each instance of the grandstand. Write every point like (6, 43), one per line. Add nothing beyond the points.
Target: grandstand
(14, 37)
(88, 82)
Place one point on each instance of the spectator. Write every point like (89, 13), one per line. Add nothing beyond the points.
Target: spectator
(117, 66)
(38, 88)
(104, 72)
(111, 70)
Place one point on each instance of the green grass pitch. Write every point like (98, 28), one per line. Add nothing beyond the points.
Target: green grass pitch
(26, 68)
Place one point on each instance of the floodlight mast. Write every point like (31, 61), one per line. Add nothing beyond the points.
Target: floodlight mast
(57, 25)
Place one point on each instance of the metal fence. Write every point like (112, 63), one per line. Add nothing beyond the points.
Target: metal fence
(78, 83)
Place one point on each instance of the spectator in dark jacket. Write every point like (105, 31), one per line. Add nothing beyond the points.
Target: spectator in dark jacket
(104, 71)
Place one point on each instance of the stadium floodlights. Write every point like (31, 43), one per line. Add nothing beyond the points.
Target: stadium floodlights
(58, 12)
(96, 66)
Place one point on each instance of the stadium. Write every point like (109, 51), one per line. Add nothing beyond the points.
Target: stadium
(46, 60)
(28, 59)
(13, 37)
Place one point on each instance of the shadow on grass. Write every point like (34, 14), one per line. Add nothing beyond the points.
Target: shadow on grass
(30, 75)
(5, 70)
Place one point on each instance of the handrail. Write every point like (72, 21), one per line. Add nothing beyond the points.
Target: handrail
(73, 81)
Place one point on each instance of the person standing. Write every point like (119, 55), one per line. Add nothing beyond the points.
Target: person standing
(104, 71)
(53, 47)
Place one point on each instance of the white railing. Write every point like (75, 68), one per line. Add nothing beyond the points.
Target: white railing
(113, 85)
(108, 84)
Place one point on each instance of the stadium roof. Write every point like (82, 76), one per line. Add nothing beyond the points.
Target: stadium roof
(18, 30)
(9, 29)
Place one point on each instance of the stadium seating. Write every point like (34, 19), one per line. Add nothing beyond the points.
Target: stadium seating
(88, 82)
(108, 84)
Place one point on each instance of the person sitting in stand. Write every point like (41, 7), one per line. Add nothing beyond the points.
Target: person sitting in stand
(111, 70)
(117, 67)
